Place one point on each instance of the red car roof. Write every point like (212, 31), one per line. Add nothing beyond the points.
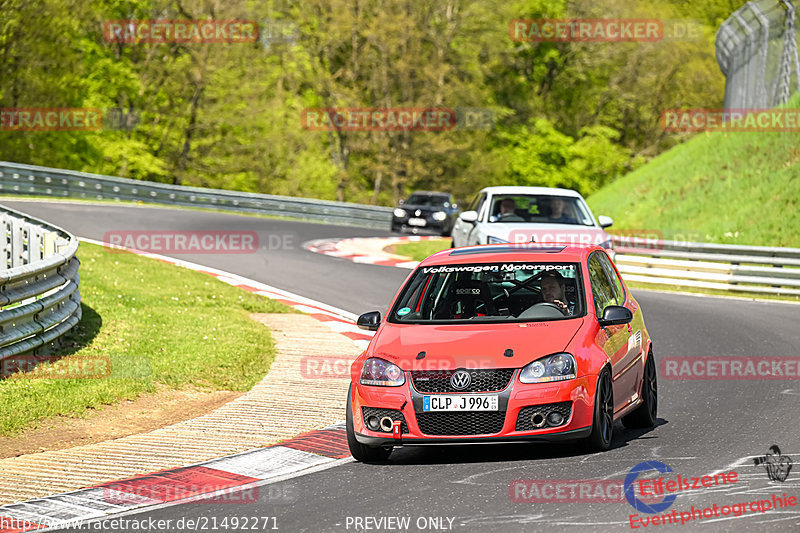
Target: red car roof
(500, 253)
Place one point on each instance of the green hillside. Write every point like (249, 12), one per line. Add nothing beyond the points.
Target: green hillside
(733, 188)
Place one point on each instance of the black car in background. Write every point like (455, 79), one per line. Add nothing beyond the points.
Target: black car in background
(424, 210)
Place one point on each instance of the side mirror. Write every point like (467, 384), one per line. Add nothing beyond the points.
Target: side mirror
(605, 222)
(469, 217)
(369, 321)
(401, 202)
(615, 315)
(454, 206)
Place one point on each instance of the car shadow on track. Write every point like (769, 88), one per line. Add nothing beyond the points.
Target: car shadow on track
(482, 453)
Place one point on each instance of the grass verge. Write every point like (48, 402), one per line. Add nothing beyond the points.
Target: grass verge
(730, 188)
(419, 250)
(145, 323)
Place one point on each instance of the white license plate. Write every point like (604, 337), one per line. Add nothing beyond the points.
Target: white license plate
(457, 402)
(417, 222)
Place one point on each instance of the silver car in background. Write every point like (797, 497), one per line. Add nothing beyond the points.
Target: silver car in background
(530, 214)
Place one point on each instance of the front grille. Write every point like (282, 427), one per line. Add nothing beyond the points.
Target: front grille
(524, 419)
(493, 380)
(466, 423)
(394, 414)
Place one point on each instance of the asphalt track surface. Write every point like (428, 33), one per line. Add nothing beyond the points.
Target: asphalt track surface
(704, 426)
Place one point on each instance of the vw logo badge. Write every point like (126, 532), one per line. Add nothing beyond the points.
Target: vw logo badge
(417, 213)
(460, 380)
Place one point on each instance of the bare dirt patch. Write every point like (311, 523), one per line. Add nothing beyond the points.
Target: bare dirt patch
(128, 417)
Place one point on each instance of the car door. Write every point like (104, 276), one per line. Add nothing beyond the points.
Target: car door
(477, 233)
(634, 354)
(462, 230)
(613, 340)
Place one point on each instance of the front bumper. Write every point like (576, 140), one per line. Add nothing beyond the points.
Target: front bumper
(430, 223)
(516, 397)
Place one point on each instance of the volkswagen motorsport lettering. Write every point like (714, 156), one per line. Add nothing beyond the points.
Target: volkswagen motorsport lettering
(511, 267)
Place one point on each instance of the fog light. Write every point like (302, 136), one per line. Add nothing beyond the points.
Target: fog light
(537, 420)
(373, 423)
(555, 418)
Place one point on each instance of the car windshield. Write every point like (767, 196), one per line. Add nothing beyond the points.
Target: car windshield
(496, 292)
(426, 200)
(540, 209)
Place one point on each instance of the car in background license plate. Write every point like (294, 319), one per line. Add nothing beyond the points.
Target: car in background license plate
(458, 402)
(417, 222)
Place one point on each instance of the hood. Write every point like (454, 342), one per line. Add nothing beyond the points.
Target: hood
(566, 233)
(471, 345)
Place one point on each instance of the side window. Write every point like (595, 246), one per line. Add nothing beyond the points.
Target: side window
(612, 275)
(602, 291)
(473, 205)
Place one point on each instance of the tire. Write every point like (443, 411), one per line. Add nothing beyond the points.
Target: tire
(362, 452)
(603, 420)
(646, 415)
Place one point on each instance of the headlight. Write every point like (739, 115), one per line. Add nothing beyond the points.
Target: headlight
(440, 216)
(496, 240)
(381, 373)
(556, 367)
(399, 213)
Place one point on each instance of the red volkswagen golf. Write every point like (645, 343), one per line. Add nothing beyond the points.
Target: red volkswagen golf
(504, 343)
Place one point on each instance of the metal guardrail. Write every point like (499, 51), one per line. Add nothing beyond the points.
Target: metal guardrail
(754, 269)
(32, 180)
(39, 298)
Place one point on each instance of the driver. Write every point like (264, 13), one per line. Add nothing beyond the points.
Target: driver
(508, 211)
(557, 213)
(553, 291)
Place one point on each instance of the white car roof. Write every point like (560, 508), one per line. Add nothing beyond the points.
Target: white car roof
(548, 191)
